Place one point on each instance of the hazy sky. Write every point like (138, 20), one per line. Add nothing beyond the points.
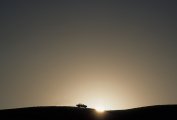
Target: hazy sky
(115, 54)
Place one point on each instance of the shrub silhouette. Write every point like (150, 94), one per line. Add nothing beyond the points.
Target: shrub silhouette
(81, 105)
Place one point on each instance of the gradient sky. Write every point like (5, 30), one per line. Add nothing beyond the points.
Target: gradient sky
(115, 54)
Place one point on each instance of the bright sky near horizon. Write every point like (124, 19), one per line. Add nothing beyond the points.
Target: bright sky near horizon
(107, 54)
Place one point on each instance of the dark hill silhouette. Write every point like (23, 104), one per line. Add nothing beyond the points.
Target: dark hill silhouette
(158, 112)
(161, 112)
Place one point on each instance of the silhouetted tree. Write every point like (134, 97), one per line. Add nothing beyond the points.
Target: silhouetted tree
(81, 105)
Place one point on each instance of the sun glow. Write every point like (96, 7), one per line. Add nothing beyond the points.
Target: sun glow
(100, 109)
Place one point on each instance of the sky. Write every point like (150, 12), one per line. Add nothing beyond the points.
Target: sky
(115, 54)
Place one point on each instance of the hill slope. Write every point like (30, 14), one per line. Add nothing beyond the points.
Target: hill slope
(160, 112)
(164, 112)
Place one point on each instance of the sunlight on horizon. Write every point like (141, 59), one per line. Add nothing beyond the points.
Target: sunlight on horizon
(100, 109)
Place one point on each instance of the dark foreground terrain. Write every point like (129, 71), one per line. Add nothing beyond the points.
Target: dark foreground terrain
(162, 112)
